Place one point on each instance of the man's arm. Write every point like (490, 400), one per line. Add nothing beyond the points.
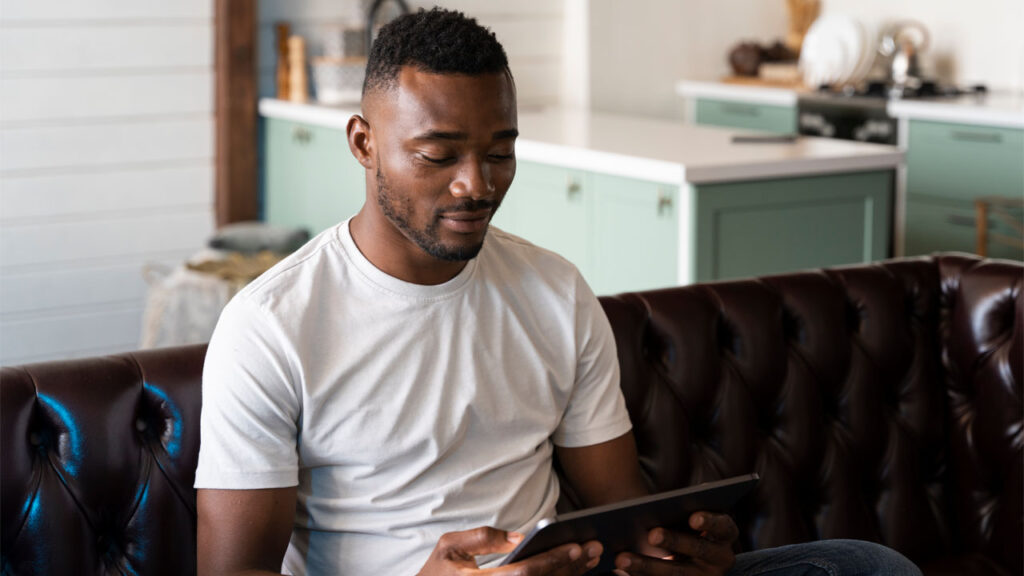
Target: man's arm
(609, 472)
(604, 473)
(243, 532)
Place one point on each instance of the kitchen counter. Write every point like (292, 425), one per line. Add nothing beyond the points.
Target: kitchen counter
(1002, 109)
(736, 92)
(654, 150)
(613, 187)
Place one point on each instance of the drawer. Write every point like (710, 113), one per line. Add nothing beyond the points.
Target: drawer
(964, 162)
(747, 116)
(937, 224)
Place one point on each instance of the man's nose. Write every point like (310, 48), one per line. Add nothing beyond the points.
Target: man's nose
(473, 180)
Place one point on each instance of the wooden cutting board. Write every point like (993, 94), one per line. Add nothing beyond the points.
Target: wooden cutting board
(756, 81)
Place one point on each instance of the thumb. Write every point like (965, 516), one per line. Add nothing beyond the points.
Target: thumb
(479, 541)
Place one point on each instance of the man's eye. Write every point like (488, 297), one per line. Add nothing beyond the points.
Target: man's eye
(436, 159)
(503, 156)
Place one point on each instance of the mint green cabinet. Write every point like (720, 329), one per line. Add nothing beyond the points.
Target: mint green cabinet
(949, 166)
(311, 178)
(636, 234)
(746, 116)
(772, 226)
(548, 206)
(621, 233)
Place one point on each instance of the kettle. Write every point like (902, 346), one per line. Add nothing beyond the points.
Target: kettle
(373, 15)
(902, 43)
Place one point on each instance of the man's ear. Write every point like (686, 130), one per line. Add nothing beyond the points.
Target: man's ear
(360, 140)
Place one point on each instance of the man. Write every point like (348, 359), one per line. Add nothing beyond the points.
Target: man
(389, 398)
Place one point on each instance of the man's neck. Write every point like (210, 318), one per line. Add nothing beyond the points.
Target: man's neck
(392, 253)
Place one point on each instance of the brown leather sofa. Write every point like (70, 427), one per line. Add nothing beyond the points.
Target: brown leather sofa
(879, 402)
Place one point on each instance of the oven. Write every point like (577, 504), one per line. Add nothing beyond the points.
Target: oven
(860, 113)
(849, 118)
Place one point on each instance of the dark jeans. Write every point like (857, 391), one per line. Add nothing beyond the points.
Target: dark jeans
(825, 558)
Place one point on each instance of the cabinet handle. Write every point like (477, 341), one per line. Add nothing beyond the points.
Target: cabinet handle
(664, 201)
(740, 109)
(573, 187)
(958, 220)
(302, 135)
(978, 137)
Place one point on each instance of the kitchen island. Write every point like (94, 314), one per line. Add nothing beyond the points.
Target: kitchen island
(961, 152)
(634, 203)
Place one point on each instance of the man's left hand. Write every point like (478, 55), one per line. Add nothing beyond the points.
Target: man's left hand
(706, 552)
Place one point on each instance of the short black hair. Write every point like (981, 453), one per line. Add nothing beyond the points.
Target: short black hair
(438, 41)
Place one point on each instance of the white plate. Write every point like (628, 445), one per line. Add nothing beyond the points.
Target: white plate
(832, 51)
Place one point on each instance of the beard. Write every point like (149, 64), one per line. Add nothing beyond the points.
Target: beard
(399, 211)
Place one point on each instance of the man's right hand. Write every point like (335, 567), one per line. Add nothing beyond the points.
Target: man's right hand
(455, 552)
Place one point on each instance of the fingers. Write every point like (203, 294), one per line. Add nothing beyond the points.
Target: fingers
(567, 560)
(636, 565)
(709, 552)
(719, 527)
(700, 549)
(478, 541)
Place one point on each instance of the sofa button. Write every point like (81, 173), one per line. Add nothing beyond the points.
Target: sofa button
(35, 439)
(140, 425)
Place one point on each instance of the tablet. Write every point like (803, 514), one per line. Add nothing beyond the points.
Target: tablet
(624, 525)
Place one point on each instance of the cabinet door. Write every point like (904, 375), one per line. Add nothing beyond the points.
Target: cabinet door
(948, 167)
(551, 207)
(936, 224)
(636, 234)
(962, 162)
(747, 116)
(311, 178)
(767, 227)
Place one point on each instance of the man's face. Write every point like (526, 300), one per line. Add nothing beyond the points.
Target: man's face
(445, 157)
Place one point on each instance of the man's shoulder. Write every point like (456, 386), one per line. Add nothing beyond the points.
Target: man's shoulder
(516, 250)
(294, 270)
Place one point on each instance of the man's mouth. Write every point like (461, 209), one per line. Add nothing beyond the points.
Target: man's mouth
(466, 221)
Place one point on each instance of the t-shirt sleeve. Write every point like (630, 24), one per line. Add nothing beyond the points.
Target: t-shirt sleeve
(251, 408)
(597, 410)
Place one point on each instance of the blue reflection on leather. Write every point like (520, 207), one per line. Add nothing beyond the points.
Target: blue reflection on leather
(73, 460)
(138, 549)
(32, 521)
(33, 531)
(173, 445)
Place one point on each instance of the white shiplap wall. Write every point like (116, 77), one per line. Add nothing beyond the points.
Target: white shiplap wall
(530, 30)
(106, 164)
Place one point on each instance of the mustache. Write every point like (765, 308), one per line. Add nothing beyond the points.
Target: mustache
(469, 206)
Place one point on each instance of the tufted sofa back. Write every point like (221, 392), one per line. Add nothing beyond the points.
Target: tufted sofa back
(99, 457)
(880, 402)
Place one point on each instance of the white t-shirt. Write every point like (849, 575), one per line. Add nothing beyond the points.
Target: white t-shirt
(404, 411)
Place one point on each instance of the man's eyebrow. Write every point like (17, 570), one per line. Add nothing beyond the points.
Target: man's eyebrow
(442, 135)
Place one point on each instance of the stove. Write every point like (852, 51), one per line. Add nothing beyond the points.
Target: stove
(860, 113)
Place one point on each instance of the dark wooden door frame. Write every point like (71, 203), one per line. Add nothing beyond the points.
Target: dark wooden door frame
(235, 167)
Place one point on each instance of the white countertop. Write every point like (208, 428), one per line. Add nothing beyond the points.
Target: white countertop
(1003, 109)
(654, 150)
(736, 92)
(996, 109)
